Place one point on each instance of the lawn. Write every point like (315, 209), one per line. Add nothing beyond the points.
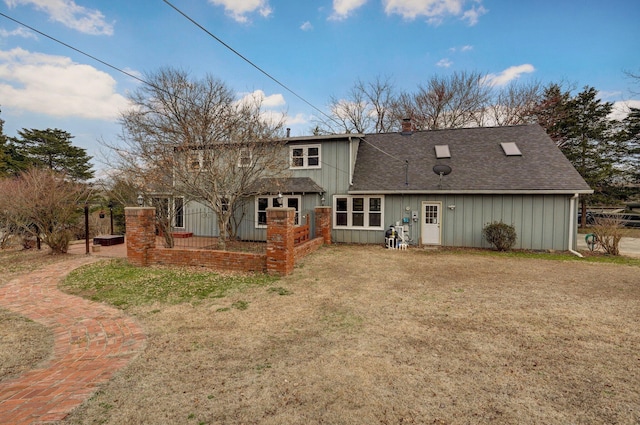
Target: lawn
(363, 335)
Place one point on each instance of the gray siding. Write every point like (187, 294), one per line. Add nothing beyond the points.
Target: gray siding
(541, 221)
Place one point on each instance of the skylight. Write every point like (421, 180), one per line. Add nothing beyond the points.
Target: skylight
(442, 151)
(511, 149)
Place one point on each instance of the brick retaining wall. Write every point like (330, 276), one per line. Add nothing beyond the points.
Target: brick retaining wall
(282, 253)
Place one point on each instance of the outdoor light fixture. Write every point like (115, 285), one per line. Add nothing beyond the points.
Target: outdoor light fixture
(140, 200)
(322, 198)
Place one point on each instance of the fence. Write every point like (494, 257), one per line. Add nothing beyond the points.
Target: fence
(282, 250)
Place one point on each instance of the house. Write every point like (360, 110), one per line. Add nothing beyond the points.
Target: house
(443, 186)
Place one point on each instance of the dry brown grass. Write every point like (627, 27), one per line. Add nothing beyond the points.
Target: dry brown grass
(23, 343)
(369, 336)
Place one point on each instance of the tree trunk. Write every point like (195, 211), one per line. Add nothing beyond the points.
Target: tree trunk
(223, 222)
(583, 209)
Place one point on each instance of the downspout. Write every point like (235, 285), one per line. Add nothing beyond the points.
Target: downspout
(572, 222)
(351, 161)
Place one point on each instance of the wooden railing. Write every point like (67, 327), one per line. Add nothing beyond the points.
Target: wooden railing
(301, 234)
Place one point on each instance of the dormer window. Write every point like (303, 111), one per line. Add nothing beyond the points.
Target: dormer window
(304, 156)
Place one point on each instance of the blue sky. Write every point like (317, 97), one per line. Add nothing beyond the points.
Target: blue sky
(316, 48)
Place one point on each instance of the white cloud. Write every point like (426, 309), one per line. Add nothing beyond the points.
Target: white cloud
(56, 86)
(18, 32)
(435, 10)
(622, 108)
(239, 9)
(70, 14)
(306, 26)
(466, 48)
(508, 75)
(473, 15)
(260, 97)
(444, 63)
(343, 8)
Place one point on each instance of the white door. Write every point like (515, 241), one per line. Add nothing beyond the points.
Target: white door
(431, 234)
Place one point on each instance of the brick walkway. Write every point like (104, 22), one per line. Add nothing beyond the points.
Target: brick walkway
(91, 342)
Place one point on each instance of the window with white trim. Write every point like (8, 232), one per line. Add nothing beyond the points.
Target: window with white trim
(245, 159)
(178, 218)
(357, 212)
(304, 156)
(264, 202)
(199, 160)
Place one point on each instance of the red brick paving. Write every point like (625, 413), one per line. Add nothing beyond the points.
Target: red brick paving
(91, 342)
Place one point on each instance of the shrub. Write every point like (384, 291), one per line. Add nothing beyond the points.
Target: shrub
(500, 235)
(609, 230)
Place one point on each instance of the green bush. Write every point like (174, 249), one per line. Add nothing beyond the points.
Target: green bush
(500, 235)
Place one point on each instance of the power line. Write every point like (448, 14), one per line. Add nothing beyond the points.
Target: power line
(240, 55)
(77, 50)
(244, 58)
(135, 77)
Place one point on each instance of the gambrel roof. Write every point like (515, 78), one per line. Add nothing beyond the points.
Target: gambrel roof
(514, 159)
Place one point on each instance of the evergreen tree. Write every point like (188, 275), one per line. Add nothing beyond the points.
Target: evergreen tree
(580, 126)
(631, 135)
(52, 149)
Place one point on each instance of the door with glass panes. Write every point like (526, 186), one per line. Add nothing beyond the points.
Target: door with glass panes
(431, 226)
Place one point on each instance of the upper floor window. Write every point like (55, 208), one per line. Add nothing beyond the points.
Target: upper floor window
(245, 159)
(199, 160)
(304, 156)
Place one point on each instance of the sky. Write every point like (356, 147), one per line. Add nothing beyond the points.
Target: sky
(314, 50)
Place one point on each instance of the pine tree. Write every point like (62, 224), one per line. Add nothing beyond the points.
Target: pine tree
(581, 127)
(52, 149)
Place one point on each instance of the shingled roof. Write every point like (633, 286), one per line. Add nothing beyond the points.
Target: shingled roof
(286, 185)
(403, 163)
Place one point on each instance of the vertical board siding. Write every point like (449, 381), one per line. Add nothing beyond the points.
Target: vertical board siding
(541, 221)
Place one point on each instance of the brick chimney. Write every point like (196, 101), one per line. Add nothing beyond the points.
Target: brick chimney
(407, 127)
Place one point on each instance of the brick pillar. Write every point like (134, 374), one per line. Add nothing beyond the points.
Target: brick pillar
(323, 224)
(141, 234)
(280, 254)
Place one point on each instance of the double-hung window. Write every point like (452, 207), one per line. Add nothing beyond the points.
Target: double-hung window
(357, 212)
(199, 160)
(245, 157)
(304, 156)
(264, 202)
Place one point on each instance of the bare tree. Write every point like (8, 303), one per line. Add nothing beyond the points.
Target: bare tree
(43, 203)
(367, 108)
(513, 104)
(454, 101)
(196, 139)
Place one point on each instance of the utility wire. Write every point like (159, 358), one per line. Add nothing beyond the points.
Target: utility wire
(78, 50)
(244, 58)
(135, 77)
(240, 55)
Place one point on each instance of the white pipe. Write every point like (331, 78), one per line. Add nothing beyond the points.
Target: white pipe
(572, 222)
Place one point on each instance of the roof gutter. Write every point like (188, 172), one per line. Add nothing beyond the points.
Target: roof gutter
(470, 192)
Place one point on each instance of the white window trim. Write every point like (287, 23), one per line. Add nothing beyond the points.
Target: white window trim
(285, 198)
(305, 165)
(350, 212)
(243, 155)
(175, 213)
(197, 157)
